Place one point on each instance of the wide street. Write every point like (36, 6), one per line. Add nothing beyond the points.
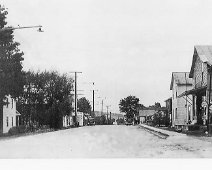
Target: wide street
(104, 142)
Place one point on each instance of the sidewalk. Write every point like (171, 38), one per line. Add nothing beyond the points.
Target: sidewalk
(163, 132)
(174, 134)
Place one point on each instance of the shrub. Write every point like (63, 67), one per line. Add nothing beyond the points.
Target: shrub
(17, 130)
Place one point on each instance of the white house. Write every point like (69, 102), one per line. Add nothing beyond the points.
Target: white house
(10, 117)
(67, 121)
(181, 106)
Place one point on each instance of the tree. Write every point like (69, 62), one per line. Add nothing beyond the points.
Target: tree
(84, 105)
(46, 98)
(129, 105)
(161, 118)
(157, 105)
(11, 74)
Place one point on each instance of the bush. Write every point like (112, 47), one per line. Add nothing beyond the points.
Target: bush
(17, 130)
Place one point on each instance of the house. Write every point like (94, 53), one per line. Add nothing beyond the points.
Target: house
(201, 93)
(10, 117)
(181, 106)
(169, 108)
(146, 115)
(67, 121)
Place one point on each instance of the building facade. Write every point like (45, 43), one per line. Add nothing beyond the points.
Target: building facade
(10, 117)
(146, 115)
(201, 93)
(181, 107)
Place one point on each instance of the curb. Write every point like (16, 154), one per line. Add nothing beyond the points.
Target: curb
(154, 132)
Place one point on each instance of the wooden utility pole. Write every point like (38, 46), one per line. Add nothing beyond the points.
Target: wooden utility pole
(209, 101)
(107, 113)
(75, 98)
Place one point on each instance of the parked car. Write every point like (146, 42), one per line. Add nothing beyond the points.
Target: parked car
(91, 121)
(129, 121)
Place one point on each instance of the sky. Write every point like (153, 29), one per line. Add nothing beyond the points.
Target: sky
(127, 47)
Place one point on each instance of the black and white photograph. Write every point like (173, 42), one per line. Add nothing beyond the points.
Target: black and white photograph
(108, 79)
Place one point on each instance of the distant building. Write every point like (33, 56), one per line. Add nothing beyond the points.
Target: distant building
(10, 117)
(169, 108)
(181, 107)
(146, 115)
(67, 121)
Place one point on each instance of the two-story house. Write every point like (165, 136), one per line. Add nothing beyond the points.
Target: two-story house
(10, 117)
(201, 64)
(181, 107)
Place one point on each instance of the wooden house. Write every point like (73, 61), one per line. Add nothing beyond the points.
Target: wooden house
(181, 107)
(201, 93)
(10, 117)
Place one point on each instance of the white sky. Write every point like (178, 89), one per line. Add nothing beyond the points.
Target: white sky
(127, 47)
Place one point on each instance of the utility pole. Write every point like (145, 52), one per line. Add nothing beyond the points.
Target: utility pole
(75, 97)
(110, 117)
(209, 102)
(107, 113)
(102, 107)
(94, 99)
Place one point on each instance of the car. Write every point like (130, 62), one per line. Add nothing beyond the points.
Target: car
(129, 122)
(91, 121)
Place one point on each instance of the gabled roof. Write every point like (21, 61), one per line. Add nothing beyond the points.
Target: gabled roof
(205, 54)
(181, 78)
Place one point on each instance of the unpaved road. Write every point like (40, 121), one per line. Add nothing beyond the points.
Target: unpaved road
(104, 142)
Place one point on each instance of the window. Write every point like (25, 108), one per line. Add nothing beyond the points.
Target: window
(202, 71)
(7, 102)
(202, 67)
(189, 112)
(176, 113)
(7, 121)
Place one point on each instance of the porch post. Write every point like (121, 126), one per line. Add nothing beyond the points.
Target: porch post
(209, 98)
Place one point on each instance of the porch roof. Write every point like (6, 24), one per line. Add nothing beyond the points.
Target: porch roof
(193, 91)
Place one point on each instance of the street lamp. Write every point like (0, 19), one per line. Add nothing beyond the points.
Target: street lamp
(15, 28)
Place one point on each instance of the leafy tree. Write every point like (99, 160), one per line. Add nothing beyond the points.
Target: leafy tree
(129, 105)
(84, 105)
(46, 98)
(157, 105)
(161, 118)
(11, 74)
